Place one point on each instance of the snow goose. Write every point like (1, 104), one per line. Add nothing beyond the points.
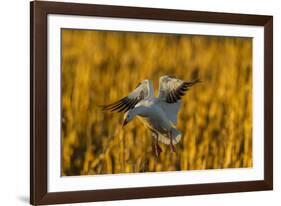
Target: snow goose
(159, 114)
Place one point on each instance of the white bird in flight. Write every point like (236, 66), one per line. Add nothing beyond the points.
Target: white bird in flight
(159, 114)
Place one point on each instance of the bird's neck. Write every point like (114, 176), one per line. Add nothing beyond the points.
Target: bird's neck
(139, 110)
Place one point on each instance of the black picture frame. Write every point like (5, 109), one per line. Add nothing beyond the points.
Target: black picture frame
(38, 102)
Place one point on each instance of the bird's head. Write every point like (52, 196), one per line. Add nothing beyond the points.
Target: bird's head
(129, 116)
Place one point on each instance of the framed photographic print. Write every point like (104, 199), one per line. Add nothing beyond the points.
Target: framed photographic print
(131, 102)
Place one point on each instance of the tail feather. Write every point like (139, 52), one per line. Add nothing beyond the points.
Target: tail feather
(176, 136)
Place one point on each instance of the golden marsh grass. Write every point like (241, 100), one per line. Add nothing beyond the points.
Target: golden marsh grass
(215, 119)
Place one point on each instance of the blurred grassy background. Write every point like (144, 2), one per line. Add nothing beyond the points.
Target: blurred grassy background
(100, 67)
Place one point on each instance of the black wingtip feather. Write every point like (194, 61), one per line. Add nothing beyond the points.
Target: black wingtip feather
(176, 94)
(121, 106)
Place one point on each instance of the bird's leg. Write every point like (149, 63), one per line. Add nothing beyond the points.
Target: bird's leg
(157, 144)
(157, 148)
(171, 142)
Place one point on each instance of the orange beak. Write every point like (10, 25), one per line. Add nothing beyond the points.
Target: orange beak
(124, 123)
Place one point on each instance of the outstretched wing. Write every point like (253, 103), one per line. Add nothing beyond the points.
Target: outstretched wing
(171, 90)
(141, 92)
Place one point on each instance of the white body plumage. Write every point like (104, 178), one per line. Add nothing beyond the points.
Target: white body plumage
(159, 114)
